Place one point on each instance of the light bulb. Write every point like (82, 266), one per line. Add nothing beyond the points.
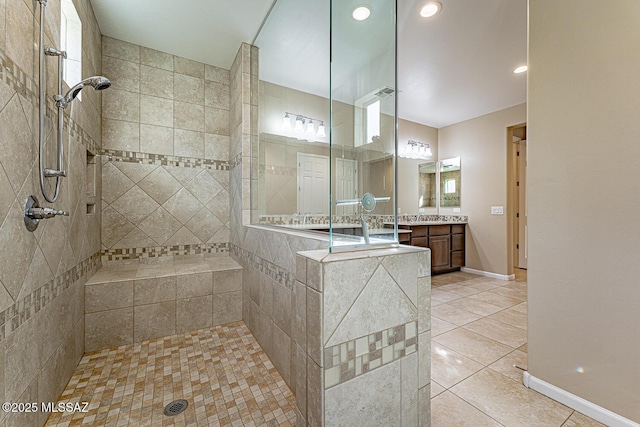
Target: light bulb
(430, 9)
(361, 13)
(321, 133)
(310, 128)
(299, 123)
(286, 122)
(520, 69)
(427, 151)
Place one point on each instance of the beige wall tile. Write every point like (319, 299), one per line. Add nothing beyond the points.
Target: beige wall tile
(121, 105)
(124, 75)
(120, 49)
(156, 82)
(217, 121)
(20, 33)
(227, 281)
(108, 296)
(282, 301)
(227, 308)
(156, 111)
(314, 325)
(194, 285)
(282, 353)
(216, 146)
(160, 185)
(110, 328)
(188, 116)
(188, 67)
(155, 58)
(154, 320)
(156, 139)
(194, 313)
(315, 398)
(216, 95)
(120, 135)
(299, 319)
(188, 89)
(188, 143)
(216, 74)
(153, 290)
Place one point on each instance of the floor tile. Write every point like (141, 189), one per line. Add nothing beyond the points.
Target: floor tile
(579, 420)
(498, 331)
(453, 315)
(508, 402)
(439, 326)
(221, 371)
(511, 292)
(448, 410)
(507, 365)
(491, 297)
(440, 295)
(475, 306)
(449, 367)
(436, 389)
(474, 346)
(510, 316)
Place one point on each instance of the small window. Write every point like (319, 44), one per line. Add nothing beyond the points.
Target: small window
(71, 42)
(449, 186)
(373, 121)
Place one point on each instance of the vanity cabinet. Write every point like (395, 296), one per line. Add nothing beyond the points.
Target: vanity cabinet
(446, 242)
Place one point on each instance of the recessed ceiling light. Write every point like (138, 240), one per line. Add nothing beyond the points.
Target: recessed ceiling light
(361, 13)
(430, 9)
(520, 69)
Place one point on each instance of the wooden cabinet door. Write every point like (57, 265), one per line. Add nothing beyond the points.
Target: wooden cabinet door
(440, 252)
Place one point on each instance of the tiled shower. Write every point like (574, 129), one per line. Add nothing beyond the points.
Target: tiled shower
(159, 177)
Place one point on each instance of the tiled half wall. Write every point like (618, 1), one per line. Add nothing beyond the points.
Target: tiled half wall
(165, 155)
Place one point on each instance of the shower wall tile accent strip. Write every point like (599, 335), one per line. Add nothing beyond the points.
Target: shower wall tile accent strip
(345, 361)
(375, 221)
(130, 254)
(21, 311)
(20, 81)
(280, 275)
(164, 160)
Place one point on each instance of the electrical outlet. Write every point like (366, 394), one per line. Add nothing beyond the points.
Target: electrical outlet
(456, 210)
(497, 210)
(421, 210)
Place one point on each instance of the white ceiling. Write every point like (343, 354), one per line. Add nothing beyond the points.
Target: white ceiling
(452, 67)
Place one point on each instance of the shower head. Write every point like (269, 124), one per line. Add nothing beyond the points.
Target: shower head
(97, 82)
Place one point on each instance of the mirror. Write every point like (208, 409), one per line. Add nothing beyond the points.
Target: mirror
(450, 174)
(427, 188)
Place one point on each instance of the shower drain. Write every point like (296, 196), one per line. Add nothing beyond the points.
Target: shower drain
(176, 407)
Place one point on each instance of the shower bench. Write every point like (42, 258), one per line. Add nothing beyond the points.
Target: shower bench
(132, 303)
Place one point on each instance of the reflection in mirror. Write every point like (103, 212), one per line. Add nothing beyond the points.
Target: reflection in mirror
(427, 185)
(450, 174)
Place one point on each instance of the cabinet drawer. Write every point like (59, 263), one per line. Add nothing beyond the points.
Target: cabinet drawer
(457, 242)
(418, 230)
(457, 229)
(439, 230)
(457, 259)
(419, 241)
(404, 237)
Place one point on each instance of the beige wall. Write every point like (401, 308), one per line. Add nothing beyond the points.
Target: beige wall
(166, 149)
(42, 274)
(482, 145)
(583, 285)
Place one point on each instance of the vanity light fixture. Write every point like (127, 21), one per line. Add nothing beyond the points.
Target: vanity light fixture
(520, 69)
(286, 122)
(418, 150)
(430, 9)
(361, 13)
(301, 121)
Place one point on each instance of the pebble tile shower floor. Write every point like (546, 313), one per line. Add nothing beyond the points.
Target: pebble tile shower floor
(226, 377)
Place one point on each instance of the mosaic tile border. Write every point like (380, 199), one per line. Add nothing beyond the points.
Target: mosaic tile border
(280, 275)
(127, 254)
(375, 221)
(21, 311)
(278, 170)
(348, 360)
(164, 160)
(19, 80)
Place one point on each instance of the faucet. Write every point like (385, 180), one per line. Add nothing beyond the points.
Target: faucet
(304, 219)
(42, 213)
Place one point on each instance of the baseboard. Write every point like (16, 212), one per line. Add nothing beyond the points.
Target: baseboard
(488, 274)
(577, 403)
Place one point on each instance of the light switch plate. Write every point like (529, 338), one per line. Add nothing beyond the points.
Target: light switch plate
(456, 210)
(497, 210)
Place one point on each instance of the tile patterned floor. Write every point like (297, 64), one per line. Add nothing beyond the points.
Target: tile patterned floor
(222, 372)
(479, 332)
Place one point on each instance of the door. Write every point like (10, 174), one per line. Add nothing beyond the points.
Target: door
(313, 184)
(522, 204)
(346, 184)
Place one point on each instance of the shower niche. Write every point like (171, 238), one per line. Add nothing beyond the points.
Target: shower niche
(325, 156)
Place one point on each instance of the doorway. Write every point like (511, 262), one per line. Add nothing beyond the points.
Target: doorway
(518, 184)
(313, 184)
(346, 184)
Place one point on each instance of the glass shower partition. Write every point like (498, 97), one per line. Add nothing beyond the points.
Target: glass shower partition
(325, 160)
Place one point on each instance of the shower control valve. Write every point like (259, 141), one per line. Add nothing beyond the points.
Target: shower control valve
(33, 213)
(52, 172)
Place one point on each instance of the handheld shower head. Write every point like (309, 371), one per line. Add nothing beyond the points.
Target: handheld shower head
(97, 82)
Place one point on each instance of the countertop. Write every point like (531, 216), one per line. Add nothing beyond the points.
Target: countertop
(322, 227)
(427, 223)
